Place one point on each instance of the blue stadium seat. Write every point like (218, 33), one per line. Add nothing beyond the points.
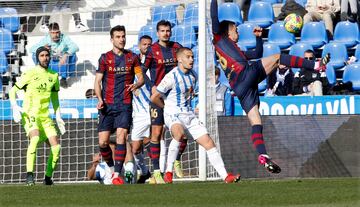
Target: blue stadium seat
(6, 41)
(262, 85)
(269, 1)
(338, 54)
(148, 30)
(301, 2)
(280, 36)
(167, 12)
(247, 38)
(3, 63)
(314, 33)
(270, 49)
(352, 74)
(9, 19)
(191, 15)
(357, 52)
(330, 74)
(196, 59)
(298, 50)
(347, 33)
(135, 49)
(230, 12)
(261, 13)
(185, 35)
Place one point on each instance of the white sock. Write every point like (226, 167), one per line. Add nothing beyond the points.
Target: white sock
(217, 162)
(162, 159)
(139, 160)
(129, 167)
(172, 154)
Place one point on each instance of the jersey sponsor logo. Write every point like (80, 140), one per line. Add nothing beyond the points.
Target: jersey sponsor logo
(120, 70)
(167, 61)
(42, 87)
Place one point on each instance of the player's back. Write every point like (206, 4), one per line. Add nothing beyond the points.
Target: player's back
(161, 60)
(141, 99)
(38, 84)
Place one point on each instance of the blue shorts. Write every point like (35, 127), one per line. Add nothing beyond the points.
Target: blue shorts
(246, 87)
(157, 115)
(111, 118)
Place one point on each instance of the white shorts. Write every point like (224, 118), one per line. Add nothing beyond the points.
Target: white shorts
(190, 122)
(141, 126)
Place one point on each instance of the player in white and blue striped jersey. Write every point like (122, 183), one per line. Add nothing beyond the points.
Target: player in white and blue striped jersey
(174, 94)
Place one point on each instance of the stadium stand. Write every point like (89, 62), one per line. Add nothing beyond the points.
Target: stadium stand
(298, 49)
(338, 54)
(270, 49)
(185, 35)
(330, 74)
(3, 62)
(352, 74)
(279, 36)
(191, 15)
(357, 52)
(230, 12)
(246, 37)
(167, 12)
(261, 13)
(9, 19)
(6, 41)
(149, 30)
(314, 33)
(347, 33)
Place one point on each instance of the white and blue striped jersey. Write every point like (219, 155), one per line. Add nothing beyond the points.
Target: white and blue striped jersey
(177, 89)
(141, 99)
(104, 173)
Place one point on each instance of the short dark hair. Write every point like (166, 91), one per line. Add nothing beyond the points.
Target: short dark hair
(118, 28)
(53, 26)
(309, 51)
(224, 27)
(145, 37)
(163, 23)
(181, 50)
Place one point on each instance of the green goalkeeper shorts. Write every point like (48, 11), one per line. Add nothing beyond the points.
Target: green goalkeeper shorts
(45, 125)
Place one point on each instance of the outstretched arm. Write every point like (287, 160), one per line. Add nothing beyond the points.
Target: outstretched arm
(214, 17)
(258, 52)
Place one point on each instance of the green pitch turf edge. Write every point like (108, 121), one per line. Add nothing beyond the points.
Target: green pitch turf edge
(339, 192)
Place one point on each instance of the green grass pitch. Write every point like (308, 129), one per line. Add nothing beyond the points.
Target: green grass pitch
(337, 192)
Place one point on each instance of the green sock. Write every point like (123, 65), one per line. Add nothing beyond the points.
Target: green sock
(52, 161)
(31, 153)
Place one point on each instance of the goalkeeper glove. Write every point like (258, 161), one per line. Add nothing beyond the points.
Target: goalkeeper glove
(60, 123)
(16, 112)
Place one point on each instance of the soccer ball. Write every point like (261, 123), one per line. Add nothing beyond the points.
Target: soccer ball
(293, 23)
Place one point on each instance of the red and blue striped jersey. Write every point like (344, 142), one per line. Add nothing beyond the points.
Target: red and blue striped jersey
(231, 58)
(161, 60)
(119, 71)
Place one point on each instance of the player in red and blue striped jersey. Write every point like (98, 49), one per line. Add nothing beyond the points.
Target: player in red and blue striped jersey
(114, 83)
(160, 59)
(244, 77)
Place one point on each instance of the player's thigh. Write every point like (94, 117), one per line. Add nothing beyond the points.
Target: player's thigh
(270, 63)
(177, 131)
(195, 128)
(157, 115)
(140, 127)
(47, 126)
(170, 121)
(105, 122)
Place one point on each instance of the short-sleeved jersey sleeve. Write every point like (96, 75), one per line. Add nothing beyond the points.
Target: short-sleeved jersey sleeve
(166, 84)
(24, 80)
(148, 57)
(137, 66)
(102, 64)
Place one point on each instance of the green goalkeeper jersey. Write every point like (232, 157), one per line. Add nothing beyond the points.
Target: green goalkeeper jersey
(38, 85)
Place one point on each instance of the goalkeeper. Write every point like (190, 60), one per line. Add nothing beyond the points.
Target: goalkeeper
(41, 85)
